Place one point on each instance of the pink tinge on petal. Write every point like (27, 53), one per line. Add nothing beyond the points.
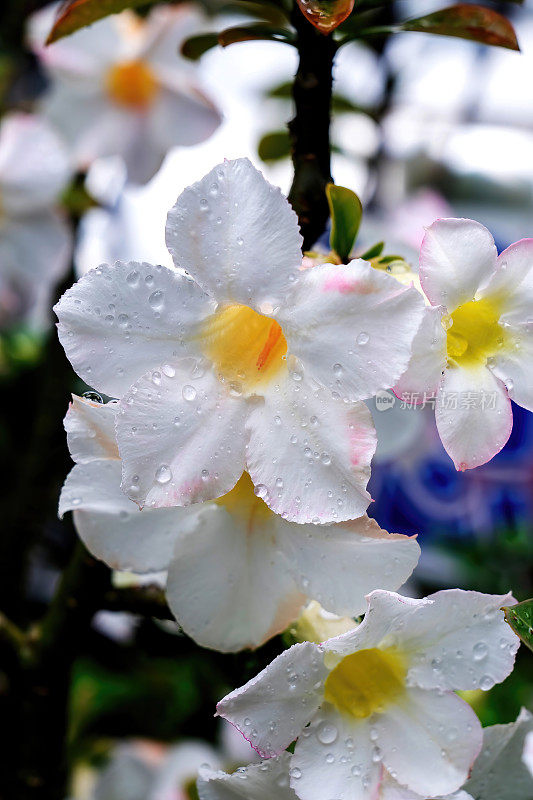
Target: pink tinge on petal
(343, 285)
(360, 454)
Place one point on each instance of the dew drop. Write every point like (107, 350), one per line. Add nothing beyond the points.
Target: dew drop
(163, 474)
(326, 733)
(189, 393)
(362, 338)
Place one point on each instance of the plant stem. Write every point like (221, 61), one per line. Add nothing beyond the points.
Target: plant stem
(309, 130)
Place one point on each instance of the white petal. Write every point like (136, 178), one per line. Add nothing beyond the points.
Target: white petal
(514, 368)
(339, 564)
(236, 235)
(90, 430)
(112, 527)
(272, 709)
(180, 768)
(512, 284)
(34, 166)
(473, 415)
(35, 254)
(117, 322)
(255, 782)
(352, 327)
(428, 359)
(457, 256)
(429, 740)
(322, 449)
(178, 118)
(229, 586)
(499, 771)
(527, 754)
(333, 757)
(181, 437)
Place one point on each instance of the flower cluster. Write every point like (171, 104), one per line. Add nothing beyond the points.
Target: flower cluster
(237, 425)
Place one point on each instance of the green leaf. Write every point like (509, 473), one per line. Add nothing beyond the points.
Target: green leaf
(250, 33)
(520, 618)
(346, 212)
(194, 47)
(75, 14)
(373, 252)
(274, 145)
(467, 22)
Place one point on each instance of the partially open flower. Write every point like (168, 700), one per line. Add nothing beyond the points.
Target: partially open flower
(237, 573)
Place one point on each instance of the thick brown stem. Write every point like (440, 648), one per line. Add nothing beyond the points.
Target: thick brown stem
(309, 130)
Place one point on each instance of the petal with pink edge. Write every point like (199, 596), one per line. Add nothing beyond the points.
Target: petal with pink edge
(512, 284)
(272, 709)
(473, 415)
(352, 327)
(428, 359)
(456, 258)
(309, 454)
(254, 782)
(181, 437)
(339, 564)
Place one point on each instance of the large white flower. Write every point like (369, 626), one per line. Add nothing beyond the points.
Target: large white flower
(237, 573)
(498, 773)
(252, 365)
(474, 349)
(381, 696)
(120, 87)
(35, 241)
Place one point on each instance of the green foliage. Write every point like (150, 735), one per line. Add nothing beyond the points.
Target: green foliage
(346, 213)
(520, 618)
(195, 46)
(373, 252)
(254, 32)
(274, 145)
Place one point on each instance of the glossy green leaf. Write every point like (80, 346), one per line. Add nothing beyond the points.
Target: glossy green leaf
(346, 212)
(520, 618)
(274, 145)
(194, 47)
(477, 23)
(75, 14)
(373, 252)
(250, 33)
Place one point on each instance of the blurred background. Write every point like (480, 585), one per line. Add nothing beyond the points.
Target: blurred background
(423, 127)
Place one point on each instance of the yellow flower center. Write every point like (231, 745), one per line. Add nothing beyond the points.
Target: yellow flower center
(132, 84)
(474, 333)
(247, 349)
(366, 682)
(243, 502)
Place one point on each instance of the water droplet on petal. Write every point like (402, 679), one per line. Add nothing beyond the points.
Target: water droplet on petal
(163, 474)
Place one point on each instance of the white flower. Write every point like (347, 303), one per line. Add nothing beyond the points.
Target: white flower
(35, 241)
(237, 573)
(527, 754)
(474, 349)
(381, 695)
(119, 87)
(254, 365)
(264, 781)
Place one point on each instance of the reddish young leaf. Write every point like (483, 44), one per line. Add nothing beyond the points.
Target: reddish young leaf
(467, 22)
(326, 15)
(75, 14)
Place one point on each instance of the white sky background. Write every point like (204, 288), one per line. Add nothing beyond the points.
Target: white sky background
(428, 116)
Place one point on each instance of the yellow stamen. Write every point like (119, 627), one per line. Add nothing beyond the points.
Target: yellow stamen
(474, 333)
(132, 84)
(243, 502)
(366, 682)
(247, 349)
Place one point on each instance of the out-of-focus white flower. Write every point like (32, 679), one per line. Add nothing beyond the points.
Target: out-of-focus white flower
(35, 241)
(381, 696)
(315, 624)
(120, 87)
(237, 573)
(527, 754)
(254, 365)
(474, 349)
